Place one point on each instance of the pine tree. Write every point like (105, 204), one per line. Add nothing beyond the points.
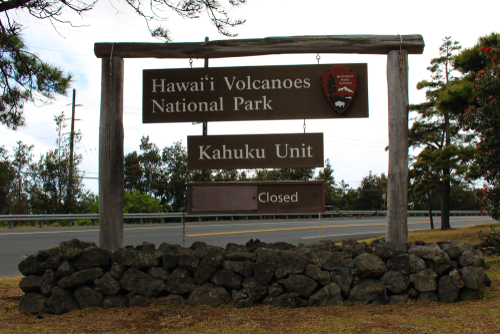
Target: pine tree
(436, 129)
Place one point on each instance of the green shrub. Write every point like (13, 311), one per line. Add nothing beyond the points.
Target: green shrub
(490, 243)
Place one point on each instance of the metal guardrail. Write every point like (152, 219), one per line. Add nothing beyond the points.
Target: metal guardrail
(184, 216)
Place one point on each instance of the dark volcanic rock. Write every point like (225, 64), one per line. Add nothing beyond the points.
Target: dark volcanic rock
(343, 278)
(158, 273)
(329, 295)
(240, 298)
(425, 280)
(32, 303)
(300, 284)
(227, 278)
(65, 269)
(430, 252)
(53, 262)
(146, 246)
(142, 284)
(369, 291)
(471, 258)
(457, 279)
(93, 257)
(138, 301)
(368, 265)
(353, 248)
(80, 277)
(188, 262)
(49, 280)
(254, 289)
(291, 300)
(336, 261)
(473, 277)
(174, 300)
(60, 301)
(117, 270)
(31, 283)
(388, 250)
(107, 285)
(453, 251)
(320, 276)
(416, 264)
(137, 258)
(30, 266)
(240, 256)
(180, 282)
(448, 291)
(438, 268)
(87, 297)
(208, 295)
(264, 270)
(115, 301)
(241, 267)
(72, 249)
(275, 289)
(166, 248)
(395, 281)
(290, 263)
(400, 263)
(208, 267)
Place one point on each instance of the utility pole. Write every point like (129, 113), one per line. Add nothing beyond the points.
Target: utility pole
(69, 200)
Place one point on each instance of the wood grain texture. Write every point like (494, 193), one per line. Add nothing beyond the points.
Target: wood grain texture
(361, 44)
(397, 187)
(111, 174)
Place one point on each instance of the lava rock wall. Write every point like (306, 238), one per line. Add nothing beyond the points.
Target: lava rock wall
(78, 274)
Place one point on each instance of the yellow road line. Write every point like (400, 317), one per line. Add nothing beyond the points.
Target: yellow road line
(308, 228)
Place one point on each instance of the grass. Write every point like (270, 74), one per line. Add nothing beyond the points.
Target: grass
(481, 316)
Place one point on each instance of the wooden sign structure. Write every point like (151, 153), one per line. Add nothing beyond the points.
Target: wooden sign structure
(255, 93)
(111, 173)
(287, 150)
(256, 197)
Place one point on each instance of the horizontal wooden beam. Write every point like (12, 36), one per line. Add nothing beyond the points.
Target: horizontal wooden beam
(362, 44)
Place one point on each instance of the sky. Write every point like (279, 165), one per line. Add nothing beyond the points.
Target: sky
(354, 147)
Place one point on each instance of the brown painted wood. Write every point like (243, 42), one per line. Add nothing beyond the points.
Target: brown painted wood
(397, 187)
(362, 44)
(111, 175)
(256, 197)
(284, 150)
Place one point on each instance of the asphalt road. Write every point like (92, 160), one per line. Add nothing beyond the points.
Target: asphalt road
(17, 242)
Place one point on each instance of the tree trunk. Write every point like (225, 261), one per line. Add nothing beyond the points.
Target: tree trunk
(430, 209)
(445, 202)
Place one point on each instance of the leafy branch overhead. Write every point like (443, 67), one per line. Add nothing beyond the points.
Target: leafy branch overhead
(25, 78)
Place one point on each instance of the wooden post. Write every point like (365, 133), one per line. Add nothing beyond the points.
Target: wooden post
(111, 175)
(397, 186)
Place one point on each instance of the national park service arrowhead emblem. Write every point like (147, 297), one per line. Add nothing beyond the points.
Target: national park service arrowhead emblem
(339, 84)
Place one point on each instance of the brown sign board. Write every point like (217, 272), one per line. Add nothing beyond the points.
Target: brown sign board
(256, 197)
(288, 150)
(255, 93)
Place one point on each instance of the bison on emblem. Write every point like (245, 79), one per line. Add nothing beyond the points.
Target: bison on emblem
(339, 84)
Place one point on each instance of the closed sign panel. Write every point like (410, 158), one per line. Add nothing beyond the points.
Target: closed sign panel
(256, 197)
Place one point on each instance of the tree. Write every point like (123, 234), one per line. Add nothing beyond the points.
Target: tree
(437, 131)
(49, 183)
(481, 67)
(332, 193)
(371, 191)
(24, 77)
(175, 158)
(7, 183)
(21, 162)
